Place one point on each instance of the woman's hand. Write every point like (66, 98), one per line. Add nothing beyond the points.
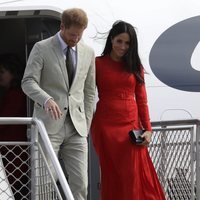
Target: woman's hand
(147, 137)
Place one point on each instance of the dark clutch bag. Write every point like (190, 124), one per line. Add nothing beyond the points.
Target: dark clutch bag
(135, 136)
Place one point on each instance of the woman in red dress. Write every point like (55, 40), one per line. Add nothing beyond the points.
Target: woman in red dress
(127, 172)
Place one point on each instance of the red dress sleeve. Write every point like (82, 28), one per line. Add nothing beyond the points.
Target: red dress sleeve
(143, 110)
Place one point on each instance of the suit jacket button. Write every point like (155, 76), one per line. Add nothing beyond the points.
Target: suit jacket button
(65, 108)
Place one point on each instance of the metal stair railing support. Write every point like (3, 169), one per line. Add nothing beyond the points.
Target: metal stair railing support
(44, 136)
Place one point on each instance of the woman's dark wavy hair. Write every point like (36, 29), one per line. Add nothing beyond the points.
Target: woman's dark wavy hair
(14, 65)
(131, 58)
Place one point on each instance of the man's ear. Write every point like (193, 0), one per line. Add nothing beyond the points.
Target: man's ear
(62, 26)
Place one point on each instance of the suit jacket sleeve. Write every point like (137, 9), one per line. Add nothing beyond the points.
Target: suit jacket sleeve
(89, 92)
(32, 75)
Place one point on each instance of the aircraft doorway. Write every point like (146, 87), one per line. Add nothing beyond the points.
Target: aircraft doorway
(19, 32)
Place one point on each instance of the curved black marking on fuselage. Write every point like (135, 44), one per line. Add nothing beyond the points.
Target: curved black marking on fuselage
(171, 54)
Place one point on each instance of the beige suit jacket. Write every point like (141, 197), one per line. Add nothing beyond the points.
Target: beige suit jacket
(46, 77)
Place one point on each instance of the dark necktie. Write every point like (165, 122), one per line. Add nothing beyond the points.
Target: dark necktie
(69, 65)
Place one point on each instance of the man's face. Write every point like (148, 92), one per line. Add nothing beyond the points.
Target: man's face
(71, 35)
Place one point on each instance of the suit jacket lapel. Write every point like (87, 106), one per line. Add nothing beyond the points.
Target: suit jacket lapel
(80, 57)
(61, 59)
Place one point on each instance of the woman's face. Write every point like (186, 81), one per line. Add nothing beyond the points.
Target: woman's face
(120, 46)
(5, 77)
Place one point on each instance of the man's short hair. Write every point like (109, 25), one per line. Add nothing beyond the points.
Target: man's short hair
(74, 16)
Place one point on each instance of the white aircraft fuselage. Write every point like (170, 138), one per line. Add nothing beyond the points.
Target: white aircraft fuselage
(168, 35)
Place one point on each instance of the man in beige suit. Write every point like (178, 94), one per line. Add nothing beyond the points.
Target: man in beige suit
(66, 109)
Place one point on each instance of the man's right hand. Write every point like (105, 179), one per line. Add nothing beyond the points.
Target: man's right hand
(52, 108)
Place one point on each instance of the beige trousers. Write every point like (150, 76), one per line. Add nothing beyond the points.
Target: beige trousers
(73, 150)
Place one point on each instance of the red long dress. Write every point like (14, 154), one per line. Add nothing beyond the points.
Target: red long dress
(127, 172)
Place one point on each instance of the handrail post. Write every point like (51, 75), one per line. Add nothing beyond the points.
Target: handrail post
(192, 162)
(163, 156)
(198, 161)
(34, 151)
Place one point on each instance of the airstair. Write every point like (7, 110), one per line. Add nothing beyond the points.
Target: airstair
(175, 152)
(33, 159)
